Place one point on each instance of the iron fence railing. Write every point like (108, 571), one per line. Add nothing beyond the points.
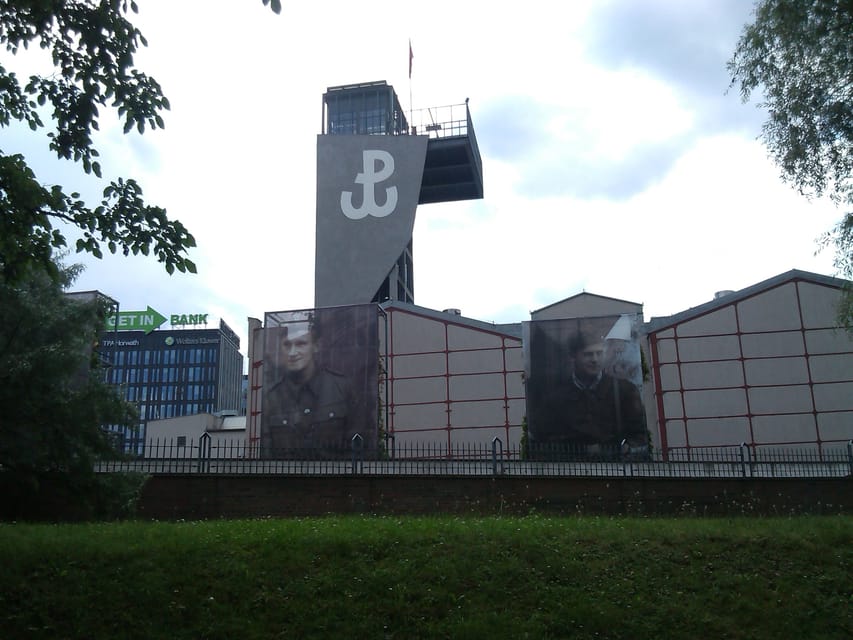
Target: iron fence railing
(207, 456)
(441, 122)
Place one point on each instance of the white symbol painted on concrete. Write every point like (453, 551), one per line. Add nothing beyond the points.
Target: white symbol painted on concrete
(369, 177)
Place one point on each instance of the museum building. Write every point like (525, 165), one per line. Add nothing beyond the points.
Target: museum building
(765, 367)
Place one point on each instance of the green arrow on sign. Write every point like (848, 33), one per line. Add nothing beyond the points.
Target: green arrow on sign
(147, 320)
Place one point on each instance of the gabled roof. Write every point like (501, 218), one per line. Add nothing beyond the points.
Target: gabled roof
(585, 294)
(510, 330)
(794, 275)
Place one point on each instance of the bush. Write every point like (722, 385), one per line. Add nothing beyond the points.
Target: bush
(66, 497)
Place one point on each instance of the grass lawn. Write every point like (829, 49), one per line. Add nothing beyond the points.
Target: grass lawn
(431, 577)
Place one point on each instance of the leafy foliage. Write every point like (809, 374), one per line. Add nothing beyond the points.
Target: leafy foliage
(53, 401)
(799, 53)
(275, 5)
(92, 45)
(841, 236)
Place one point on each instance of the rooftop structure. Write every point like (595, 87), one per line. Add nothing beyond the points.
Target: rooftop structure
(374, 166)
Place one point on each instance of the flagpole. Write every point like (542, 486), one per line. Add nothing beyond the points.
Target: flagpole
(411, 108)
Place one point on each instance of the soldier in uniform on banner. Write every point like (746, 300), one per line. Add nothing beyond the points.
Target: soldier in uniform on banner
(310, 410)
(586, 407)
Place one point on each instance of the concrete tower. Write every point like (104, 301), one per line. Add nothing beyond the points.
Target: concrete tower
(374, 166)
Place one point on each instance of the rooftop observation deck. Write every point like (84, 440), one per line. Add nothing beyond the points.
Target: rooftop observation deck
(453, 169)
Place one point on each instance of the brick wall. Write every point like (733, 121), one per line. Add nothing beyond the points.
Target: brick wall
(220, 496)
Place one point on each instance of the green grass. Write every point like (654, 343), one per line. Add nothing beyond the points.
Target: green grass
(436, 577)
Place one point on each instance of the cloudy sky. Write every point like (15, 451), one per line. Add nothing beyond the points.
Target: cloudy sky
(615, 159)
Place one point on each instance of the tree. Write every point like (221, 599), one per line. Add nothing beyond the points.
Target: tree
(53, 398)
(799, 54)
(92, 44)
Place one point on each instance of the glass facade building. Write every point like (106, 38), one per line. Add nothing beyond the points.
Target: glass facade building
(172, 373)
(370, 108)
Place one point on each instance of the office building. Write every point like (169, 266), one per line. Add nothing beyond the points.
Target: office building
(174, 372)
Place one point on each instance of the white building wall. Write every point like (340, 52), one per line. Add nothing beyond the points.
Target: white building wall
(767, 369)
(451, 384)
(180, 437)
(765, 366)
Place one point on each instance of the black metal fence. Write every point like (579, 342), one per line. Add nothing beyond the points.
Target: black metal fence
(209, 456)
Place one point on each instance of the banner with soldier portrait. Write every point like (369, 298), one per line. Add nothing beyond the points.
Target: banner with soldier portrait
(320, 387)
(584, 387)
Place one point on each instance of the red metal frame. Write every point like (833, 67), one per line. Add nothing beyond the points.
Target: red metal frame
(654, 344)
(253, 410)
(507, 344)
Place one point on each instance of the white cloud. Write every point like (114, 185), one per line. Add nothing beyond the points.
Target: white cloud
(613, 158)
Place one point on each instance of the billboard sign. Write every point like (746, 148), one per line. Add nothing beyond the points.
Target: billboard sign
(584, 383)
(146, 321)
(321, 382)
(149, 320)
(187, 319)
